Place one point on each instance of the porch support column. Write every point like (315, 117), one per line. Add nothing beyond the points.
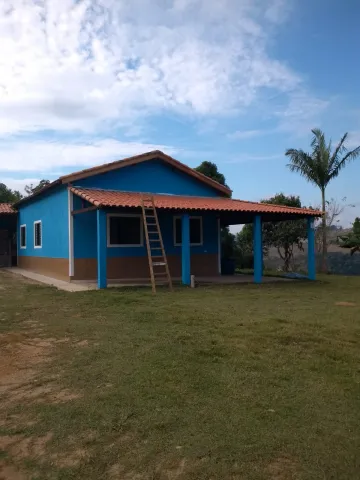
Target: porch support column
(311, 249)
(101, 248)
(185, 249)
(258, 251)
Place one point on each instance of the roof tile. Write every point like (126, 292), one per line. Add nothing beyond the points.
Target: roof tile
(6, 208)
(115, 198)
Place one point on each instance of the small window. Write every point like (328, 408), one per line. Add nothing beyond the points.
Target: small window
(196, 232)
(37, 234)
(125, 231)
(22, 236)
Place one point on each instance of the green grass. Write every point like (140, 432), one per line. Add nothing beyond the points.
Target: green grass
(219, 382)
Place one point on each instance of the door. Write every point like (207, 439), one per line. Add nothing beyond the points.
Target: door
(5, 249)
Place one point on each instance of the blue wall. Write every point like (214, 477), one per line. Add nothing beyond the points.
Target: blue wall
(52, 209)
(153, 176)
(85, 236)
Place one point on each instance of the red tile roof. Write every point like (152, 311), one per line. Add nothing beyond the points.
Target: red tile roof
(115, 198)
(6, 208)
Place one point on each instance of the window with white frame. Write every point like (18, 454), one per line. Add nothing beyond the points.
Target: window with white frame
(37, 234)
(124, 230)
(22, 236)
(196, 231)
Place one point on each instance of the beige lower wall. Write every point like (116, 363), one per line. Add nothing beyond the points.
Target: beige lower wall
(117, 268)
(52, 267)
(138, 267)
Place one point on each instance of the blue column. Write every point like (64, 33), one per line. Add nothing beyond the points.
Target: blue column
(101, 248)
(258, 250)
(185, 249)
(311, 249)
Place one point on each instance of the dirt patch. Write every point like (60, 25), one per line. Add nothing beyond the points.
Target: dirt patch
(345, 304)
(118, 472)
(176, 472)
(282, 468)
(7, 472)
(82, 343)
(71, 459)
(22, 447)
(21, 357)
(63, 396)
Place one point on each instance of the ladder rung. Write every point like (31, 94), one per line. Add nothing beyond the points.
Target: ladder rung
(150, 216)
(160, 274)
(159, 264)
(155, 248)
(157, 256)
(154, 240)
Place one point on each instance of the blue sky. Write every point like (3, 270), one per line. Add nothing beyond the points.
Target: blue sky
(235, 82)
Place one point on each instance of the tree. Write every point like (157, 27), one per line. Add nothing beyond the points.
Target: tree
(211, 170)
(31, 189)
(320, 167)
(227, 239)
(283, 236)
(7, 195)
(352, 241)
(334, 208)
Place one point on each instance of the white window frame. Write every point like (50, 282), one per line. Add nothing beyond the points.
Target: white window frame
(201, 231)
(139, 216)
(22, 246)
(41, 234)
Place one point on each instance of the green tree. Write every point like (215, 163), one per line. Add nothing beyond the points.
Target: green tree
(228, 246)
(7, 195)
(352, 241)
(211, 170)
(31, 189)
(319, 167)
(284, 236)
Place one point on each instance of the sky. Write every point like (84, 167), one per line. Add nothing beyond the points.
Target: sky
(235, 82)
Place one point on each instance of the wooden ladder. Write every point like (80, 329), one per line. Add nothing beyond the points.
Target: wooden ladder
(158, 264)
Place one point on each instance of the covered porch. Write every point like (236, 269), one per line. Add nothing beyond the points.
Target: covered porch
(226, 212)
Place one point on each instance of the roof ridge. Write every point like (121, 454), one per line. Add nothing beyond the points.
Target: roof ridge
(79, 187)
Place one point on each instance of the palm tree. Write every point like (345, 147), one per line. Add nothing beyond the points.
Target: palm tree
(320, 167)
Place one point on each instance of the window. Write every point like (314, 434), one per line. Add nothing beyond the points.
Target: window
(196, 231)
(37, 234)
(124, 230)
(22, 236)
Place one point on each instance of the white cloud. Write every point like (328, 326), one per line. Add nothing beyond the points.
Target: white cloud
(245, 134)
(46, 157)
(84, 65)
(302, 113)
(244, 157)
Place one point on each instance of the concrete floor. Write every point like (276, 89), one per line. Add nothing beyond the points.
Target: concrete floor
(83, 285)
(60, 284)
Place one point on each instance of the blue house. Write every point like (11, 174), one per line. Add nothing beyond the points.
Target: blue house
(88, 225)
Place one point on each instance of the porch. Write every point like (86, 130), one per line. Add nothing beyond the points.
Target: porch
(223, 211)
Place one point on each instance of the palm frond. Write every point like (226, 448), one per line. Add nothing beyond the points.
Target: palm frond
(339, 150)
(340, 164)
(318, 134)
(302, 163)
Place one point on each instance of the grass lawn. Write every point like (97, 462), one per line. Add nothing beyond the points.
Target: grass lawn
(221, 382)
